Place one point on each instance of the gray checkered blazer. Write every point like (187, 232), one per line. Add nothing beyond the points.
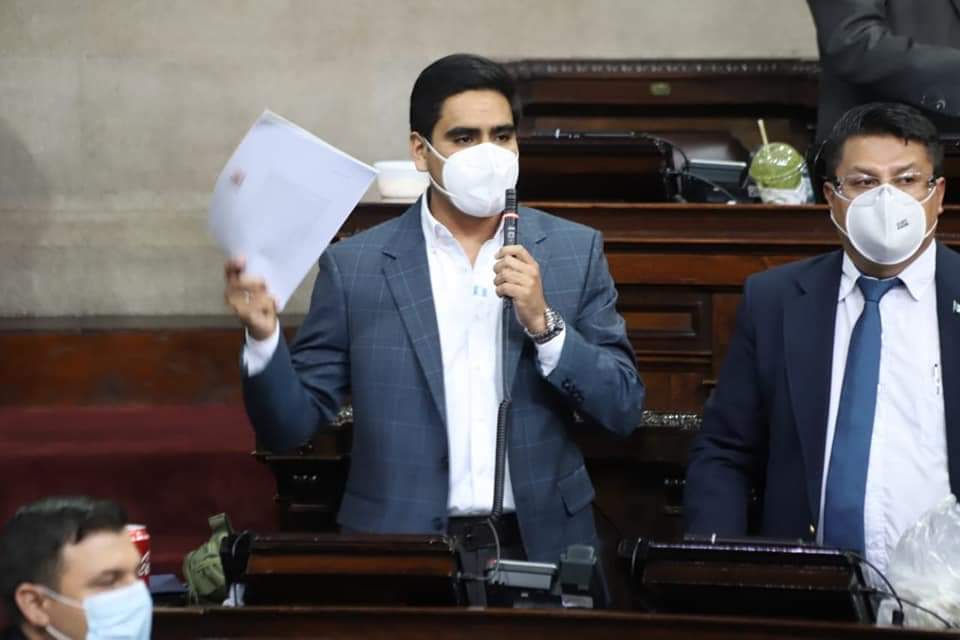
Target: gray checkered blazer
(372, 333)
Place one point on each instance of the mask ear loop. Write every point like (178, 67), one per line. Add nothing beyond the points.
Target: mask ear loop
(833, 218)
(431, 147)
(929, 195)
(936, 220)
(62, 599)
(433, 182)
(51, 630)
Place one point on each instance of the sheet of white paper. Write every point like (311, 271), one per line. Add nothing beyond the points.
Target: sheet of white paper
(280, 199)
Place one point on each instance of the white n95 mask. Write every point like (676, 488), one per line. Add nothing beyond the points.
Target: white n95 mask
(885, 225)
(476, 179)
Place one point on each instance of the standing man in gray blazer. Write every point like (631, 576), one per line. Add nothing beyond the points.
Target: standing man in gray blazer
(406, 316)
(888, 50)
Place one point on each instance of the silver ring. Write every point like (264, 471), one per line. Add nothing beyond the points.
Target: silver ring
(246, 297)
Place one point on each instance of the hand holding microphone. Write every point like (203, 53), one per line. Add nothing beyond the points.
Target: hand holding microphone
(517, 278)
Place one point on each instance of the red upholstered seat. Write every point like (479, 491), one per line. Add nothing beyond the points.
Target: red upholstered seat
(170, 466)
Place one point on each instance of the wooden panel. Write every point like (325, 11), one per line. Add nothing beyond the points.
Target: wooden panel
(391, 623)
(674, 390)
(665, 323)
(675, 95)
(702, 271)
(310, 568)
(130, 360)
(626, 169)
(687, 229)
(117, 367)
(701, 84)
(665, 318)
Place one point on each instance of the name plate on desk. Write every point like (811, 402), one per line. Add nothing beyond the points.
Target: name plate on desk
(332, 569)
(761, 578)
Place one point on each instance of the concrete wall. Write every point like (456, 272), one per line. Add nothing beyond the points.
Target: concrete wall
(117, 115)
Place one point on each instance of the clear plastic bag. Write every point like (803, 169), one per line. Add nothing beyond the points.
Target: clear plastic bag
(925, 568)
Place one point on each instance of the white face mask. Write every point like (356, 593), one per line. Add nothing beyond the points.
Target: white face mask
(885, 225)
(121, 614)
(476, 179)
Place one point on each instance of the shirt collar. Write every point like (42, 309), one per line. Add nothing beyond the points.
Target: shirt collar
(433, 230)
(916, 278)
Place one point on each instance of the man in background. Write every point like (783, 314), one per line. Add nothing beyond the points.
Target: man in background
(68, 571)
(888, 50)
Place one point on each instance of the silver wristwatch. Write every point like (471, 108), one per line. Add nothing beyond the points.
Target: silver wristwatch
(554, 325)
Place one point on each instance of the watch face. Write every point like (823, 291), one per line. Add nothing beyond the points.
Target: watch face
(554, 324)
(553, 319)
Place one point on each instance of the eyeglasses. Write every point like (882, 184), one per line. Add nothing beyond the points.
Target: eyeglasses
(916, 184)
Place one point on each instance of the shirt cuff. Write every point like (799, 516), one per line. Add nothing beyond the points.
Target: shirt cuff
(257, 353)
(548, 353)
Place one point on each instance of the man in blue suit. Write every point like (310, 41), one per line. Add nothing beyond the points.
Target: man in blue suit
(405, 318)
(839, 400)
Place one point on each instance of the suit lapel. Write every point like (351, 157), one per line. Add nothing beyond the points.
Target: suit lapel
(531, 237)
(808, 325)
(407, 272)
(948, 318)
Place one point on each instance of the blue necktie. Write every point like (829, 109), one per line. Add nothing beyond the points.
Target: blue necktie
(847, 475)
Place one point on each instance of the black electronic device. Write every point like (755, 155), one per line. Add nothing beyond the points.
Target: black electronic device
(573, 583)
(716, 181)
(748, 577)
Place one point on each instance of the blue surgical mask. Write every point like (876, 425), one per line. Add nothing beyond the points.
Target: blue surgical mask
(121, 614)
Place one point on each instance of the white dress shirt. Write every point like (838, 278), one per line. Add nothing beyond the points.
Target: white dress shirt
(469, 317)
(907, 473)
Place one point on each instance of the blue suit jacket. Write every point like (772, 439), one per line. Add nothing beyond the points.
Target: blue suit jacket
(372, 332)
(765, 425)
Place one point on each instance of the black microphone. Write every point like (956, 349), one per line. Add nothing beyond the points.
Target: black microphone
(510, 236)
(510, 232)
(510, 218)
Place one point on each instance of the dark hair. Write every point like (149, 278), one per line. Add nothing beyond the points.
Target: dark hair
(32, 540)
(882, 118)
(449, 76)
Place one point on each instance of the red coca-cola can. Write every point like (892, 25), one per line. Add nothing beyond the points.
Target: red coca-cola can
(141, 540)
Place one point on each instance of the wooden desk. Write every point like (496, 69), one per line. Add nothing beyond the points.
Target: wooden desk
(679, 270)
(371, 623)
